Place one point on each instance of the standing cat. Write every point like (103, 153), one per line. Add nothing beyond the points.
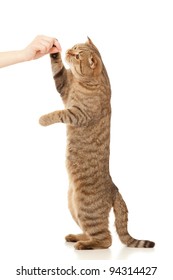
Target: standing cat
(85, 91)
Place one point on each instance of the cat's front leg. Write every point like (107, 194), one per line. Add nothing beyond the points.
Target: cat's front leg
(56, 63)
(74, 116)
(60, 74)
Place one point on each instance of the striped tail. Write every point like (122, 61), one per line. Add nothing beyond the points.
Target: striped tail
(121, 214)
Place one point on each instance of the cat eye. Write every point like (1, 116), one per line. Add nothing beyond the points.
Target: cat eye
(77, 56)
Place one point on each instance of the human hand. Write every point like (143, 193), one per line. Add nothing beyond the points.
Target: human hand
(40, 46)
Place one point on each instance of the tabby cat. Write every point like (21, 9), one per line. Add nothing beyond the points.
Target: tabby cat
(86, 92)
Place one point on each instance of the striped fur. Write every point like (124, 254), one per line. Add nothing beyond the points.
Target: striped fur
(86, 92)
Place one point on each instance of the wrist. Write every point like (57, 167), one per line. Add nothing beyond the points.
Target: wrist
(22, 56)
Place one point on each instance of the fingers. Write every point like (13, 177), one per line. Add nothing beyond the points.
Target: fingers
(46, 44)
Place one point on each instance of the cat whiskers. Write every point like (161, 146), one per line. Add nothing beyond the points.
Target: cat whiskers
(69, 55)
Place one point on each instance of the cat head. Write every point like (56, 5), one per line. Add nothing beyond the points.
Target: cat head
(84, 60)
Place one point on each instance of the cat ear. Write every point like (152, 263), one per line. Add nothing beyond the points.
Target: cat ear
(90, 43)
(95, 63)
(92, 62)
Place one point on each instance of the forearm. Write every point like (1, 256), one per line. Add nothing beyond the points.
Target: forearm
(40, 46)
(11, 57)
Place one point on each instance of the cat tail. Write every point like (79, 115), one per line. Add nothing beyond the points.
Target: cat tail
(121, 215)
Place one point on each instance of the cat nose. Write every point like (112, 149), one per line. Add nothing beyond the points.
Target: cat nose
(70, 52)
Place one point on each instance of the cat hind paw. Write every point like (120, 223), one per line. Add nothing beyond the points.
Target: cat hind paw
(71, 238)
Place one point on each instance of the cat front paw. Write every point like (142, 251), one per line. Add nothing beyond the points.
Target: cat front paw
(44, 120)
(54, 55)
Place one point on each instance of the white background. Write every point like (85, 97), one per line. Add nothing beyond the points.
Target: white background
(135, 40)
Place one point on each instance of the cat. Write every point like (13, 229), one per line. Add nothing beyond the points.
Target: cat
(85, 90)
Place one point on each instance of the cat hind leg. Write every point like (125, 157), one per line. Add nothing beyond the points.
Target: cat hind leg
(93, 244)
(85, 242)
(98, 235)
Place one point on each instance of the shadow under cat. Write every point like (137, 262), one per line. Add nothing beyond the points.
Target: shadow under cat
(125, 253)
